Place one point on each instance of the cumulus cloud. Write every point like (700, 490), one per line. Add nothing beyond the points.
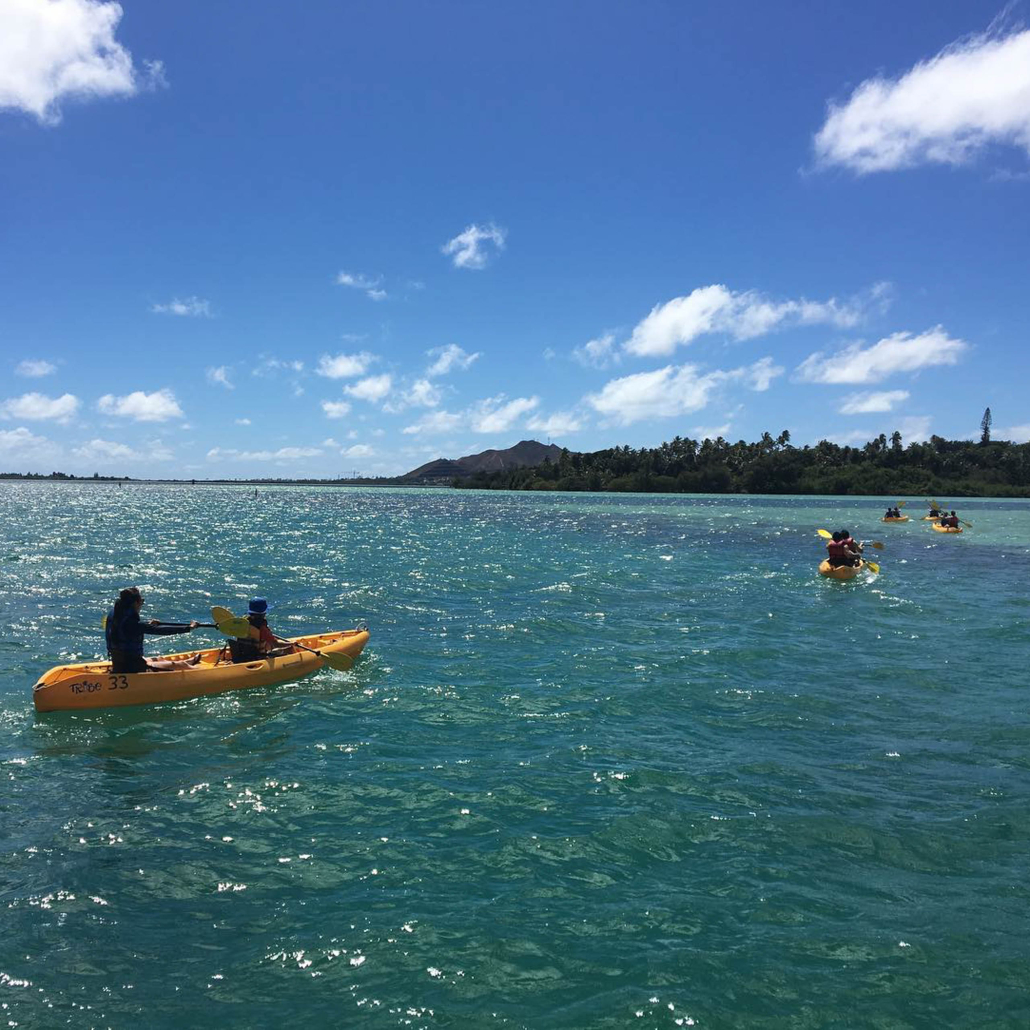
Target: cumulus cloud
(359, 450)
(915, 428)
(869, 402)
(56, 50)
(712, 432)
(344, 366)
(558, 424)
(673, 390)
(900, 352)
(191, 307)
(372, 287)
(98, 450)
(282, 454)
(335, 409)
(373, 388)
(496, 415)
(37, 407)
(1017, 434)
(944, 110)
(220, 376)
(21, 445)
(158, 406)
(474, 247)
(449, 358)
(741, 316)
(421, 394)
(35, 368)
(597, 353)
(435, 422)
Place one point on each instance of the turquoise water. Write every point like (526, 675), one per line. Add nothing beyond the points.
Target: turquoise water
(606, 762)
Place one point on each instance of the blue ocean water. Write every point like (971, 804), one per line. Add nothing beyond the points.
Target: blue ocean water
(607, 761)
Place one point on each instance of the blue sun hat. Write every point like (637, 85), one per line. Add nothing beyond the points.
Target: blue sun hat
(259, 606)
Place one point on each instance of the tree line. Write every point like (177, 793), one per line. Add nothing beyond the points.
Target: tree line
(883, 467)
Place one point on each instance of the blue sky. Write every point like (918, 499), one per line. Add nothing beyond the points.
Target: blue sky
(311, 240)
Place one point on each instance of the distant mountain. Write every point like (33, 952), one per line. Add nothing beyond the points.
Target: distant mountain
(525, 454)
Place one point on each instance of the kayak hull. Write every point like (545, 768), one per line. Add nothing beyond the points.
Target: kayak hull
(930, 518)
(946, 529)
(904, 518)
(92, 685)
(839, 571)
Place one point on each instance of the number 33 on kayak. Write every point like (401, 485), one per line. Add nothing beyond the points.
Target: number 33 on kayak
(249, 656)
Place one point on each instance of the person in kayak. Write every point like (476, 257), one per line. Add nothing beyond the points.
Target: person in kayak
(262, 641)
(125, 630)
(852, 548)
(951, 521)
(935, 513)
(836, 554)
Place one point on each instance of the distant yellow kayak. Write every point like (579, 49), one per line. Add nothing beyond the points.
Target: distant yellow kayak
(893, 518)
(937, 528)
(92, 684)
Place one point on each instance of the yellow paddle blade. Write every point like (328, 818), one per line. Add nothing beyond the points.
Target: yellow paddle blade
(878, 544)
(221, 614)
(340, 662)
(901, 504)
(103, 622)
(872, 566)
(825, 534)
(234, 628)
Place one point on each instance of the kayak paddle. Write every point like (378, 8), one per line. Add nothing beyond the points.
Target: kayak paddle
(234, 627)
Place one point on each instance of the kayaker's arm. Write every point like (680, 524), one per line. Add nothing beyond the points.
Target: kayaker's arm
(167, 629)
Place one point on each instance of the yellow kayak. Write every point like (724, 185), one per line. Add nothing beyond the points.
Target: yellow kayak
(92, 684)
(840, 571)
(930, 518)
(937, 528)
(903, 518)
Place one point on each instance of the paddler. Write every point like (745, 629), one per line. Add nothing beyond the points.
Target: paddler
(262, 641)
(837, 551)
(852, 548)
(124, 632)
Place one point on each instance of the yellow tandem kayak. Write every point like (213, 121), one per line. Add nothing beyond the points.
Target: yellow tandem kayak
(92, 684)
(903, 518)
(840, 571)
(946, 529)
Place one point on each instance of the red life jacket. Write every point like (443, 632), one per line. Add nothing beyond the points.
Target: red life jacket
(835, 549)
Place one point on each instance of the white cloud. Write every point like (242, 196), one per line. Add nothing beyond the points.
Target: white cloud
(1017, 434)
(37, 407)
(434, 423)
(944, 110)
(448, 358)
(98, 450)
(495, 415)
(558, 424)
(359, 450)
(374, 388)
(335, 409)
(660, 394)
(220, 376)
(243, 421)
(363, 282)
(742, 316)
(281, 455)
(274, 367)
(915, 428)
(598, 353)
(869, 402)
(712, 432)
(53, 50)
(21, 445)
(422, 394)
(900, 352)
(158, 406)
(344, 366)
(192, 307)
(473, 247)
(761, 374)
(35, 368)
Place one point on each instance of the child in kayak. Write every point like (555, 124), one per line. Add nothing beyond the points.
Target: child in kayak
(124, 632)
(262, 642)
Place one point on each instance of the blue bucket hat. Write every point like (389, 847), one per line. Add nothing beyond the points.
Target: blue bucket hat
(259, 606)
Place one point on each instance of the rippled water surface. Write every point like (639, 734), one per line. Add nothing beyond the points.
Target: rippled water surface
(606, 762)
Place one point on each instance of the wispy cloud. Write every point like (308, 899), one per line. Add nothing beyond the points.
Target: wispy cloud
(944, 110)
(191, 307)
(560, 423)
(98, 450)
(344, 366)
(868, 403)
(449, 358)
(64, 49)
(371, 286)
(242, 421)
(36, 407)
(435, 423)
(21, 445)
(498, 415)
(283, 454)
(158, 406)
(474, 247)
(220, 376)
(373, 388)
(269, 367)
(335, 409)
(35, 368)
(900, 352)
(597, 353)
(741, 316)
(712, 432)
(1017, 434)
